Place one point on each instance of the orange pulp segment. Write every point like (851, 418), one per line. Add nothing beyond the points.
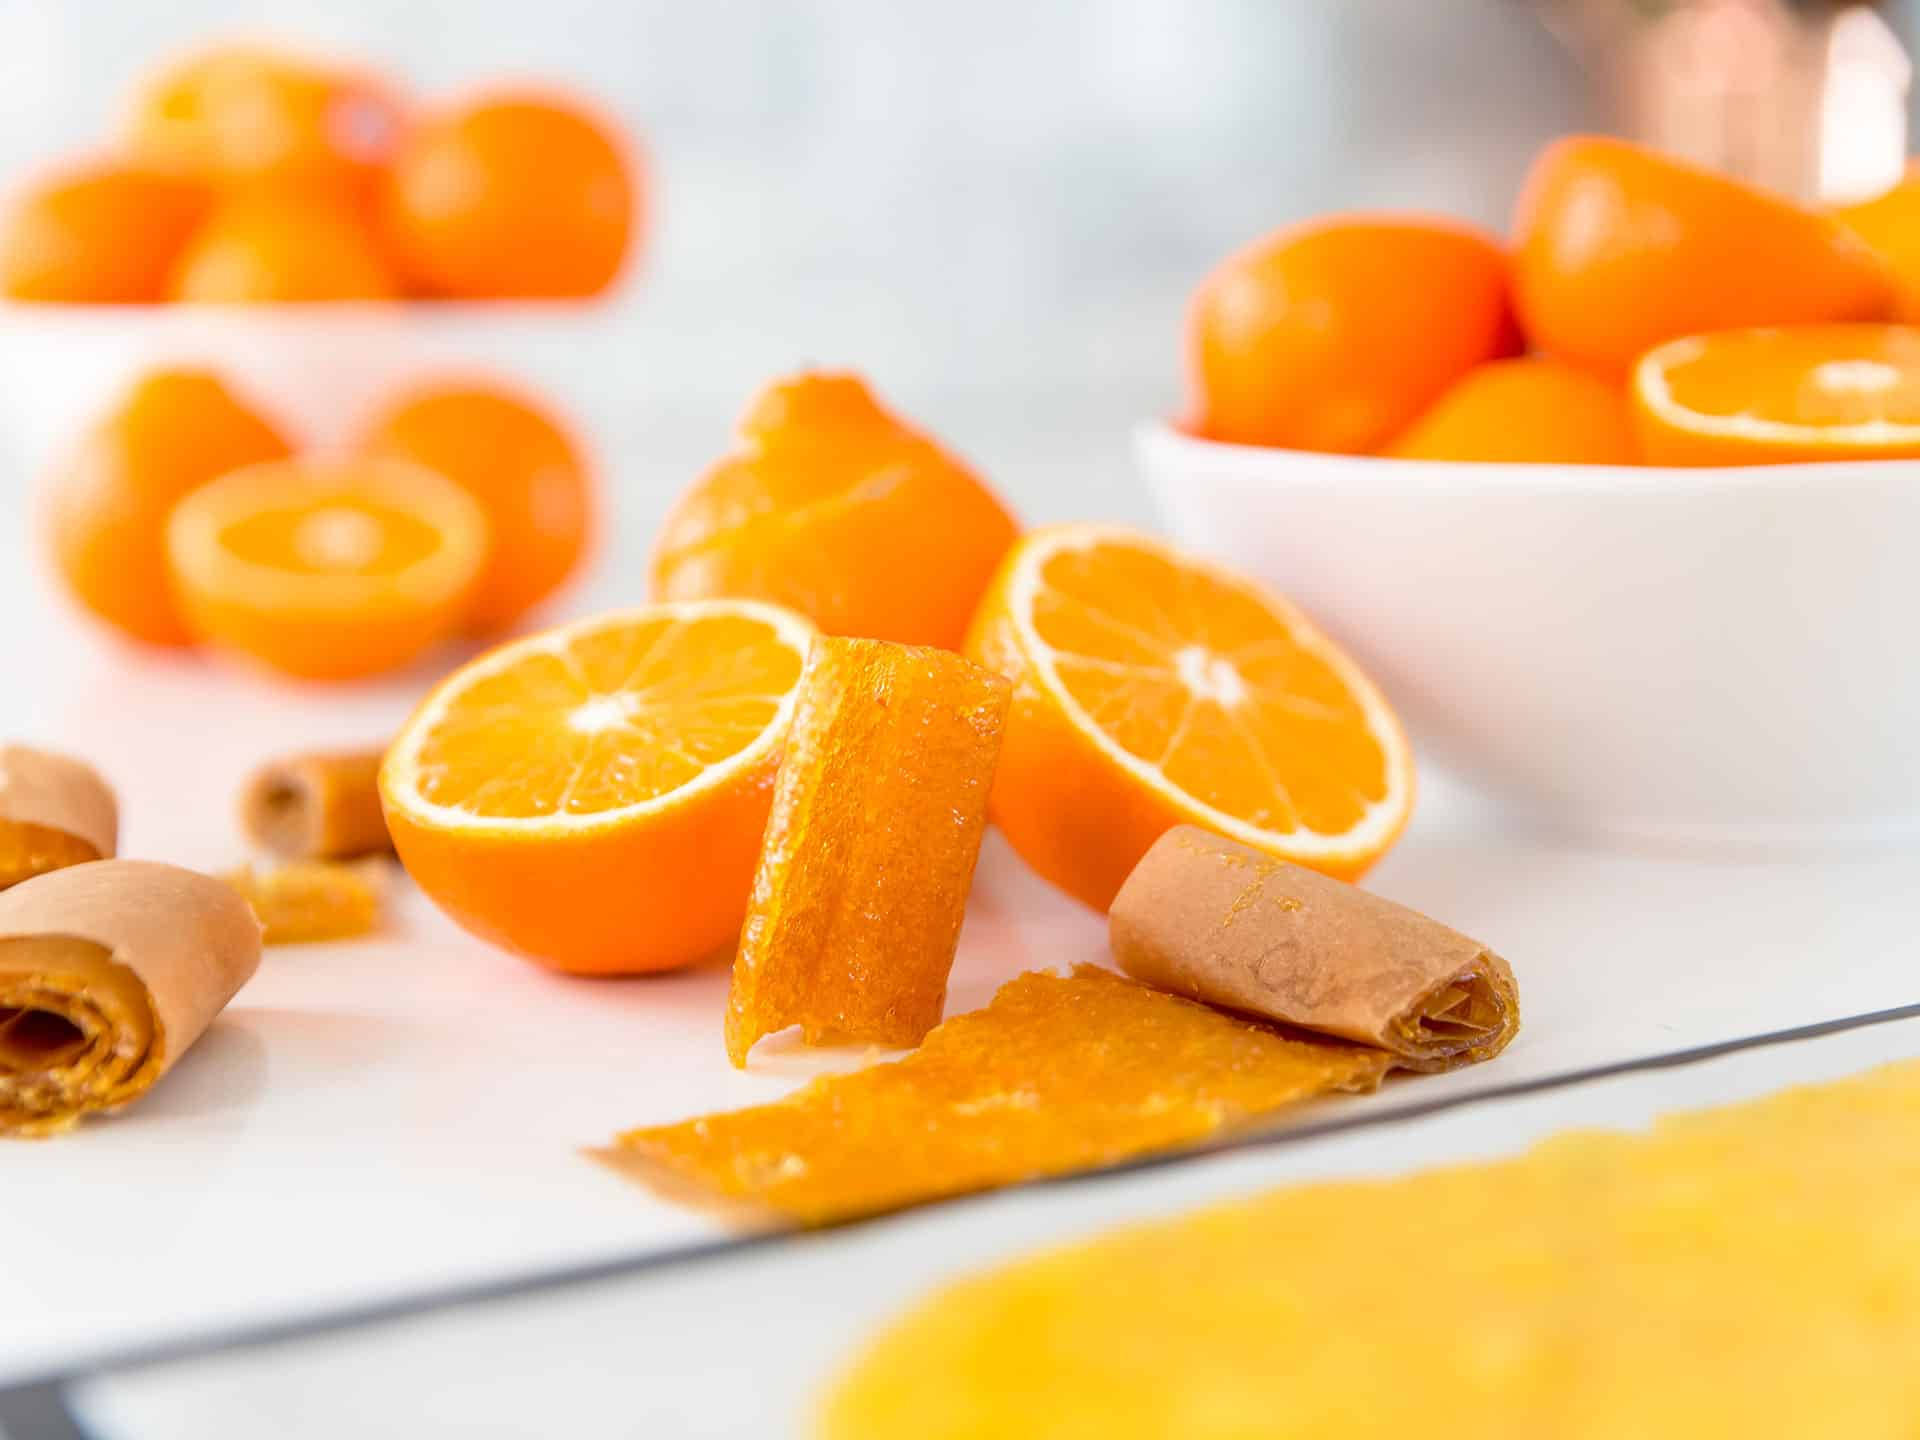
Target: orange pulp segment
(1755, 397)
(1058, 1074)
(869, 854)
(1152, 690)
(328, 570)
(593, 797)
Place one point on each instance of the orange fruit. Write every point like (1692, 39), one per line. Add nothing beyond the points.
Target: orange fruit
(235, 114)
(327, 570)
(832, 506)
(1617, 248)
(1762, 397)
(110, 500)
(520, 463)
(1152, 690)
(511, 196)
(103, 233)
(1532, 409)
(275, 246)
(1890, 224)
(1335, 334)
(592, 798)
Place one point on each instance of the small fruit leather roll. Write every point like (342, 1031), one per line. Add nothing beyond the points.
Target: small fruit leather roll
(54, 811)
(320, 805)
(109, 971)
(1214, 920)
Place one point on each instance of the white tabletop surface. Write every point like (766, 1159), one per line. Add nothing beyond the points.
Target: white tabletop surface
(375, 1120)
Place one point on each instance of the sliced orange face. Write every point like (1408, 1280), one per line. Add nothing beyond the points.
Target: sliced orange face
(1153, 690)
(1759, 397)
(327, 570)
(593, 797)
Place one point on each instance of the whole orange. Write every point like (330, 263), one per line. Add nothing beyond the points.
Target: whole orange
(273, 246)
(1334, 334)
(512, 196)
(523, 467)
(1533, 409)
(236, 114)
(109, 503)
(1890, 223)
(1618, 247)
(833, 507)
(99, 233)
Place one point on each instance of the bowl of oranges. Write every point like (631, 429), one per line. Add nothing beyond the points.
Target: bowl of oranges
(307, 222)
(1623, 509)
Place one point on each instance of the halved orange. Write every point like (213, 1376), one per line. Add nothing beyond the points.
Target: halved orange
(327, 569)
(1765, 397)
(1152, 689)
(593, 797)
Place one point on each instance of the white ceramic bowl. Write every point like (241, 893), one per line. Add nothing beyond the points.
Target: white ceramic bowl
(1718, 658)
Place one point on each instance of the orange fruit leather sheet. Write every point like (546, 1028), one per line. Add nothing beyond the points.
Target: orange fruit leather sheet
(1057, 1074)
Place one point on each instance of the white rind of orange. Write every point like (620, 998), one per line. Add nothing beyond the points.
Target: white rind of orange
(1650, 383)
(400, 770)
(1381, 821)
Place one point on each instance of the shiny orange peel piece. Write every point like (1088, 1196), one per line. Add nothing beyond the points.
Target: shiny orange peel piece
(878, 811)
(1058, 1074)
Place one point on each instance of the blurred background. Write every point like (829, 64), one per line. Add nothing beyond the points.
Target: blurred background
(995, 210)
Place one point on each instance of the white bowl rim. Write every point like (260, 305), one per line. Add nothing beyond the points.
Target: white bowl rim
(1159, 441)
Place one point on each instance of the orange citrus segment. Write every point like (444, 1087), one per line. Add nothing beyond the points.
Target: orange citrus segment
(593, 797)
(1152, 690)
(327, 570)
(1753, 397)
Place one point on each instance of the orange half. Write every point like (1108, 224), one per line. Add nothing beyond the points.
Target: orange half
(327, 569)
(1765, 397)
(593, 797)
(1151, 690)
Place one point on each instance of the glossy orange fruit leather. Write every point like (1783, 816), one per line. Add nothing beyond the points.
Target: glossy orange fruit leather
(521, 463)
(102, 233)
(327, 569)
(1530, 410)
(109, 500)
(1335, 333)
(1890, 224)
(877, 816)
(275, 246)
(516, 196)
(1763, 397)
(1151, 689)
(1618, 248)
(592, 798)
(239, 114)
(1059, 1073)
(833, 506)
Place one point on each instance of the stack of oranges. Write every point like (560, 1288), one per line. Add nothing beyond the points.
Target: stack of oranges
(186, 515)
(244, 174)
(553, 790)
(1644, 311)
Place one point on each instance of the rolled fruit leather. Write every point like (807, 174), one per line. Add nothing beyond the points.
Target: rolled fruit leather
(54, 811)
(1214, 920)
(109, 972)
(317, 805)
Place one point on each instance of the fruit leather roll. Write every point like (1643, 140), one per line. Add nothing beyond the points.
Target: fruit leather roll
(1215, 920)
(109, 971)
(320, 805)
(54, 811)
